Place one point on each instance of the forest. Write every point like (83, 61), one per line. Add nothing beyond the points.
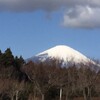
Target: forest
(46, 81)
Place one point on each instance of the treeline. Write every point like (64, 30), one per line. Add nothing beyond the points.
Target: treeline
(7, 59)
(42, 81)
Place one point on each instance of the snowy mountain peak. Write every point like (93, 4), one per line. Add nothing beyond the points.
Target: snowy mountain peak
(64, 53)
(61, 52)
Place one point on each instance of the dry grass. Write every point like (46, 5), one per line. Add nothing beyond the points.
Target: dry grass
(94, 98)
(78, 98)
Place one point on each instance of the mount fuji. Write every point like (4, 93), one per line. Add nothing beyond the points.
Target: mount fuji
(62, 53)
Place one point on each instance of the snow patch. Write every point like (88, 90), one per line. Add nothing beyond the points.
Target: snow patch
(64, 53)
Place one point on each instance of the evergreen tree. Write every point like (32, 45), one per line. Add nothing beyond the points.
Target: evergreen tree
(21, 60)
(0, 57)
(8, 58)
(0, 52)
(18, 62)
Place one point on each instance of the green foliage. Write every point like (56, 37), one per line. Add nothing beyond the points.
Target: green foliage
(0, 52)
(6, 58)
(18, 62)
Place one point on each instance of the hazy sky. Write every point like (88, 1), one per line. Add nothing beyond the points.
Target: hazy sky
(31, 26)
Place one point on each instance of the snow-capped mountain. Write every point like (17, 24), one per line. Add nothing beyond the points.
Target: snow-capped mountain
(63, 53)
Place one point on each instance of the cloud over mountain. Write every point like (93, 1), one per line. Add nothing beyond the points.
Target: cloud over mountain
(79, 13)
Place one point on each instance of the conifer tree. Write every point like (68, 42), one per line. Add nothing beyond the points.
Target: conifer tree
(18, 62)
(8, 57)
(0, 52)
(21, 60)
(0, 57)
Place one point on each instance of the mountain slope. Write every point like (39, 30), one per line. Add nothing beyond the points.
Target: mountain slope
(61, 52)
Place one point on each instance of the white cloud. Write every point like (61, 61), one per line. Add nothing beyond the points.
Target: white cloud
(82, 17)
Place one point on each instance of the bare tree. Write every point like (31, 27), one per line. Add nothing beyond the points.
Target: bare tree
(87, 80)
(40, 76)
(71, 82)
(11, 87)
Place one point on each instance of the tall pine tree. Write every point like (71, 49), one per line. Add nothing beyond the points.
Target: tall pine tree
(0, 52)
(18, 62)
(8, 57)
(0, 57)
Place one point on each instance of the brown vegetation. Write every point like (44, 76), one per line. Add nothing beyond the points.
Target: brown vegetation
(42, 81)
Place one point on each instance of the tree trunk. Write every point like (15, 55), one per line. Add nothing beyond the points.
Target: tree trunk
(67, 98)
(60, 93)
(12, 98)
(34, 97)
(16, 95)
(89, 93)
(84, 94)
(42, 96)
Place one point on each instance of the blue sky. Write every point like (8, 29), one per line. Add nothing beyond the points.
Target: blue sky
(30, 32)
